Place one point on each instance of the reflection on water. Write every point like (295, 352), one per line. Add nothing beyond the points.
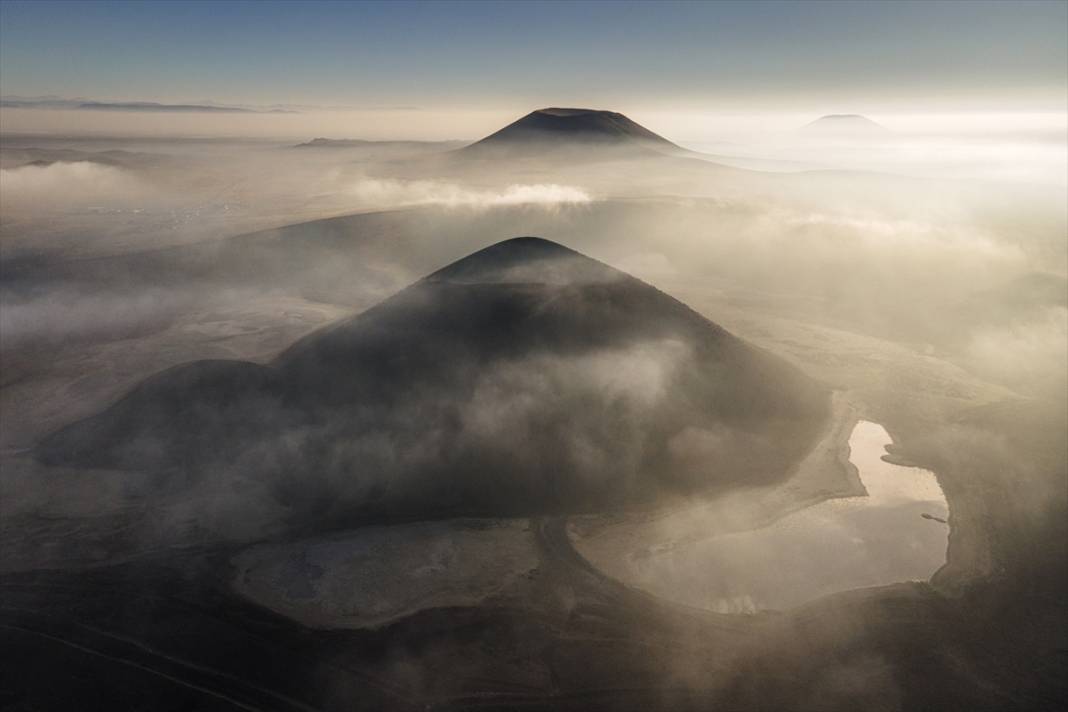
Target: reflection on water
(835, 545)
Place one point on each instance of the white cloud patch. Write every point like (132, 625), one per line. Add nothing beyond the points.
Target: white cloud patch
(75, 184)
(434, 192)
(1035, 349)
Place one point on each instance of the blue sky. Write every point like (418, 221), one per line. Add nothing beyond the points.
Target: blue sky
(480, 53)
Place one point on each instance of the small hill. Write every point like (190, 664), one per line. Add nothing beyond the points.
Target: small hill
(525, 378)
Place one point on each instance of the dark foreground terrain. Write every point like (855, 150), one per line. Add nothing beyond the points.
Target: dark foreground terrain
(164, 634)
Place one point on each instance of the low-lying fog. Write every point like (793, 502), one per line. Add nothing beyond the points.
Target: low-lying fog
(118, 263)
(1037, 157)
(955, 241)
(500, 465)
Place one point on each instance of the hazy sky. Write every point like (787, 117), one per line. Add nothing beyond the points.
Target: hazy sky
(807, 57)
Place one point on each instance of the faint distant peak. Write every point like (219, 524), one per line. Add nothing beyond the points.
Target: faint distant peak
(54, 102)
(845, 124)
(845, 117)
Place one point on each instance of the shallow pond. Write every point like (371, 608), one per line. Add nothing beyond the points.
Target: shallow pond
(895, 533)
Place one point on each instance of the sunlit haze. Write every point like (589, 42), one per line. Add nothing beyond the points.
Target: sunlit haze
(603, 356)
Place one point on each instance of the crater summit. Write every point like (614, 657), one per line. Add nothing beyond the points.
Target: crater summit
(557, 127)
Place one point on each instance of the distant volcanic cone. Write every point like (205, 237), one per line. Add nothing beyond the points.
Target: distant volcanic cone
(556, 129)
(845, 126)
(524, 378)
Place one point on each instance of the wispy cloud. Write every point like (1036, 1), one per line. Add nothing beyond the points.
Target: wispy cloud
(432, 192)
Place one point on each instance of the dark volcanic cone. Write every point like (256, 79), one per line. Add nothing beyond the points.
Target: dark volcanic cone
(524, 378)
(573, 130)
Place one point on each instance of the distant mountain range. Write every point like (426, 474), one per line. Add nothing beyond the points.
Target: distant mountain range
(391, 145)
(51, 102)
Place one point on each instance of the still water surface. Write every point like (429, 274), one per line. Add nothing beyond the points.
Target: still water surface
(836, 545)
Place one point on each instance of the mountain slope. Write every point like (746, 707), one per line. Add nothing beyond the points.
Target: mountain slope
(525, 378)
